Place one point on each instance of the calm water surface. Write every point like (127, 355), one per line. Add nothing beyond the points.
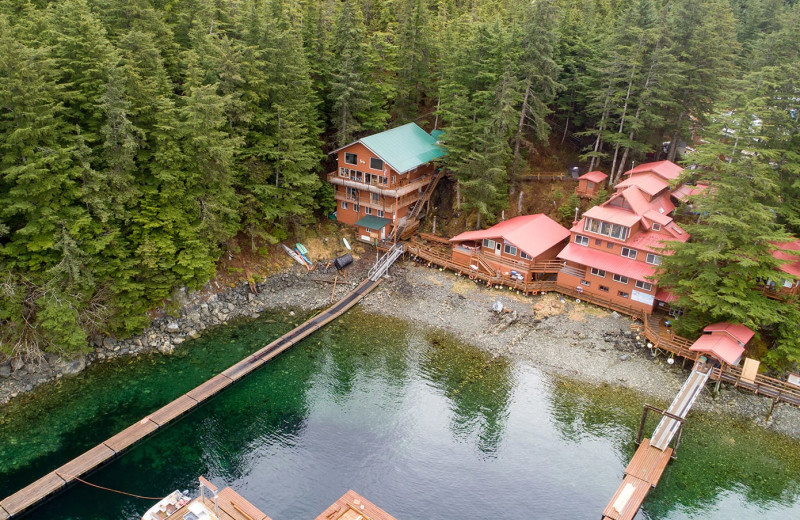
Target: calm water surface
(420, 424)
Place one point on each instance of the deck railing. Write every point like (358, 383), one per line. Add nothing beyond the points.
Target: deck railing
(778, 390)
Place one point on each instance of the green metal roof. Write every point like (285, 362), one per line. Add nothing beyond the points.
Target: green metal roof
(372, 222)
(405, 147)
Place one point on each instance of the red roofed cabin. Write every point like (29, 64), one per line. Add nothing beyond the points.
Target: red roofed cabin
(724, 341)
(787, 286)
(589, 184)
(614, 248)
(513, 247)
(380, 177)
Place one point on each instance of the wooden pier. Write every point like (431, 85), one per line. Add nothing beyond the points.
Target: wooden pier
(651, 458)
(48, 485)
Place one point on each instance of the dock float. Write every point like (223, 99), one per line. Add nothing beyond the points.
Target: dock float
(57, 480)
(651, 458)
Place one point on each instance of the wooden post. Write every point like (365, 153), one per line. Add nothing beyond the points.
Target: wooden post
(771, 408)
(641, 425)
(334, 285)
(434, 225)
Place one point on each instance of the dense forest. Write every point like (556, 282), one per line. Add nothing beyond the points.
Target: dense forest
(139, 137)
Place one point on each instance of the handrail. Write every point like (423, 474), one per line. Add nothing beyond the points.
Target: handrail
(763, 385)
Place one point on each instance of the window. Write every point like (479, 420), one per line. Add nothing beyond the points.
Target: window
(344, 205)
(383, 180)
(510, 250)
(356, 175)
(379, 213)
(653, 259)
(787, 283)
(367, 210)
(656, 227)
(375, 197)
(350, 158)
(581, 240)
(589, 184)
(609, 245)
(356, 208)
(525, 256)
(584, 282)
(352, 193)
(598, 242)
(603, 288)
(488, 243)
(630, 253)
(644, 286)
(620, 278)
(344, 172)
(622, 294)
(375, 164)
(598, 272)
(606, 228)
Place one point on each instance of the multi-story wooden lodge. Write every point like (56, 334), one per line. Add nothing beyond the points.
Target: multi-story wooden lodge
(615, 247)
(522, 248)
(382, 179)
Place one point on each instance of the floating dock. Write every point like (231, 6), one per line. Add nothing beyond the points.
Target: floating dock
(57, 480)
(651, 458)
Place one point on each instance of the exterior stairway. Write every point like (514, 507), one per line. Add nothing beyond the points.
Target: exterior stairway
(410, 222)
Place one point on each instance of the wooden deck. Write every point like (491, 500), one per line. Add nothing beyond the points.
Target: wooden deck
(352, 506)
(55, 481)
(661, 339)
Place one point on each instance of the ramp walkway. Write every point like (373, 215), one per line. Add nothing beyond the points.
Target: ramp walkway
(59, 479)
(651, 458)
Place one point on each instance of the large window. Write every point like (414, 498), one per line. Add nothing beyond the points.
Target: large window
(525, 256)
(598, 272)
(380, 213)
(606, 228)
(644, 286)
(344, 172)
(350, 158)
(581, 240)
(619, 278)
(511, 250)
(653, 259)
(488, 243)
(375, 198)
(630, 253)
(367, 210)
(375, 164)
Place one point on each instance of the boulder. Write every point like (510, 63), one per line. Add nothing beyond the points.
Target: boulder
(5, 371)
(173, 327)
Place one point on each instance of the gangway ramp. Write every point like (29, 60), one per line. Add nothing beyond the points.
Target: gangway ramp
(668, 426)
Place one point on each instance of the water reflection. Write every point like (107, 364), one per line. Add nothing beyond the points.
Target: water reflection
(478, 385)
(419, 423)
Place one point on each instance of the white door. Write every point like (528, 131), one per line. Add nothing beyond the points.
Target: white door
(498, 248)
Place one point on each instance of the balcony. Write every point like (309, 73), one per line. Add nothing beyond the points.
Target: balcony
(399, 190)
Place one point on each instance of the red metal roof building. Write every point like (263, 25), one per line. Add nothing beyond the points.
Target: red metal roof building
(589, 184)
(616, 247)
(724, 341)
(513, 247)
(791, 266)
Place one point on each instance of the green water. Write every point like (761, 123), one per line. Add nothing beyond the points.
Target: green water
(420, 424)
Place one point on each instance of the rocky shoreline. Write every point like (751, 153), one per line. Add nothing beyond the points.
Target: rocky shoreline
(557, 336)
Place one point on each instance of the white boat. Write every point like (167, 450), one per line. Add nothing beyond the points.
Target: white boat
(167, 506)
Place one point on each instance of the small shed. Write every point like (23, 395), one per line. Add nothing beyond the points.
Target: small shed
(724, 341)
(590, 183)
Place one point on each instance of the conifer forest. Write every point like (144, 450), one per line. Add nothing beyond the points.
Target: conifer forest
(138, 138)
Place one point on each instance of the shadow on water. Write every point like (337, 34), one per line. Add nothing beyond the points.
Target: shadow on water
(421, 424)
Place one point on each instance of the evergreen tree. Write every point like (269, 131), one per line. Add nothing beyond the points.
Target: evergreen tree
(354, 104)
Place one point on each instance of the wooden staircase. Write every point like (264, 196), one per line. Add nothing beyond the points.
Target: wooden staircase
(406, 226)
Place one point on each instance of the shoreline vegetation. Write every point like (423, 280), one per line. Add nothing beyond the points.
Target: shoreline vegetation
(559, 337)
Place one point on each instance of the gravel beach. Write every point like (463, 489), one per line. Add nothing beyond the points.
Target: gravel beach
(558, 336)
